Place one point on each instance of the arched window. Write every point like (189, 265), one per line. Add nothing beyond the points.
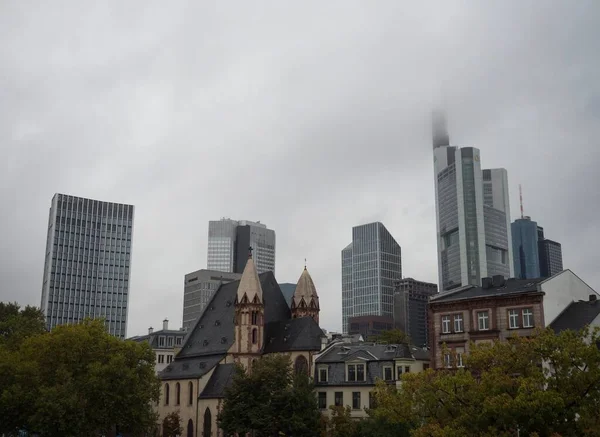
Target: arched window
(301, 365)
(167, 393)
(190, 428)
(191, 393)
(255, 317)
(207, 422)
(177, 394)
(254, 335)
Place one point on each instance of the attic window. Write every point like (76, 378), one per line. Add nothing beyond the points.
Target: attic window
(205, 343)
(202, 365)
(223, 340)
(228, 303)
(212, 308)
(201, 326)
(391, 348)
(217, 323)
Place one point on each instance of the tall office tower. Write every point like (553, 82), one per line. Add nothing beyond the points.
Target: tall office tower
(525, 248)
(198, 289)
(370, 265)
(462, 211)
(87, 263)
(410, 309)
(550, 253)
(228, 238)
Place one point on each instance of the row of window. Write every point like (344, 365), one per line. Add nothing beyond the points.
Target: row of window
(178, 393)
(161, 359)
(517, 318)
(357, 372)
(339, 400)
(169, 341)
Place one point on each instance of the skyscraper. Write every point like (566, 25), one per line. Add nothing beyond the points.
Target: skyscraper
(472, 214)
(87, 262)
(370, 265)
(525, 248)
(227, 238)
(550, 253)
(410, 309)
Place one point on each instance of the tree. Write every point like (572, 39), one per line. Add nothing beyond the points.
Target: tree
(17, 324)
(172, 425)
(548, 384)
(392, 336)
(340, 422)
(78, 380)
(270, 400)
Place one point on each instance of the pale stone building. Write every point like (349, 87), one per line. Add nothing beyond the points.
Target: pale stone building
(165, 344)
(244, 320)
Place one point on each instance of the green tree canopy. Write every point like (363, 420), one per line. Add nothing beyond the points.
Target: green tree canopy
(171, 426)
(544, 385)
(392, 336)
(17, 324)
(76, 381)
(270, 400)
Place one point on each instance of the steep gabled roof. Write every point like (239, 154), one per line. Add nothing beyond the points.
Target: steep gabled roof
(249, 287)
(302, 334)
(510, 286)
(576, 316)
(218, 382)
(190, 367)
(305, 291)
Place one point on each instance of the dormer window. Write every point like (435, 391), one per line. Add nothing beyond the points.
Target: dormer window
(323, 376)
(169, 341)
(161, 341)
(355, 373)
(388, 373)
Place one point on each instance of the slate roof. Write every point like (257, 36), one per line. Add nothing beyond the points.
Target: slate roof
(152, 339)
(576, 316)
(511, 286)
(288, 290)
(190, 368)
(302, 334)
(219, 380)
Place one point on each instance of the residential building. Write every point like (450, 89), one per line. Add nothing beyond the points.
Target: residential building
(243, 321)
(370, 265)
(410, 309)
(369, 326)
(496, 310)
(345, 373)
(472, 214)
(87, 262)
(228, 243)
(525, 248)
(165, 344)
(198, 288)
(578, 315)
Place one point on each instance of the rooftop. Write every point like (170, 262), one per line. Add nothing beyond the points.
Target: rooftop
(577, 315)
(503, 288)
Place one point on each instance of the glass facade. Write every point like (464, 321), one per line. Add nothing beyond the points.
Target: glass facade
(87, 262)
(551, 261)
(411, 298)
(221, 245)
(525, 248)
(370, 265)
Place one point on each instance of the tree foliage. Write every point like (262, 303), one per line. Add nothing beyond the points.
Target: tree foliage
(392, 336)
(77, 380)
(270, 400)
(172, 425)
(545, 385)
(17, 324)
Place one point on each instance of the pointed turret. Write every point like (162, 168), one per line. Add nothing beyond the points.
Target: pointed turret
(249, 287)
(305, 301)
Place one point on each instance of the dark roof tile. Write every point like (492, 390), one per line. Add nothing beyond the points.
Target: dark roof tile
(576, 316)
(219, 381)
(511, 286)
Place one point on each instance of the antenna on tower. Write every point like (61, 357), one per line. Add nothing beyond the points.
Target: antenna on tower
(521, 199)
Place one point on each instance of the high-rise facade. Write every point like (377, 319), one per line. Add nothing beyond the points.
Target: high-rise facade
(472, 214)
(525, 248)
(410, 309)
(228, 243)
(87, 262)
(550, 252)
(370, 266)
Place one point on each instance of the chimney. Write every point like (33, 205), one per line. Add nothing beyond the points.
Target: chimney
(593, 297)
(486, 283)
(150, 330)
(497, 281)
(165, 324)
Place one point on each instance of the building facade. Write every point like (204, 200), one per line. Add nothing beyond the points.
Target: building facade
(370, 266)
(369, 326)
(198, 288)
(551, 261)
(165, 344)
(525, 248)
(87, 262)
(228, 243)
(345, 373)
(243, 321)
(410, 309)
(472, 214)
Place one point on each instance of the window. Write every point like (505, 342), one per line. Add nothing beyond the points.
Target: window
(447, 360)
(339, 398)
(161, 342)
(177, 394)
(322, 400)
(483, 320)
(323, 374)
(356, 400)
(372, 400)
(167, 394)
(356, 372)
(425, 366)
(169, 359)
(301, 365)
(190, 393)
(254, 336)
(387, 374)
(513, 319)
(459, 351)
(528, 318)
(399, 372)
(406, 369)
(170, 341)
(458, 323)
(161, 359)
(179, 341)
(445, 324)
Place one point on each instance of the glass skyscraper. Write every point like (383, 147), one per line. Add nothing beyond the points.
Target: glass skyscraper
(87, 262)
(525, 248)
(229, 242)
(550, 252)
(370, 265)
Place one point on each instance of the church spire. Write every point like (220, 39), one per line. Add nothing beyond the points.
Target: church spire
(249, 287)
(305, 301)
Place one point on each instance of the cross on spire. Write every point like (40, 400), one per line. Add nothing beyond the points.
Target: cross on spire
(304, 263)
(250, 249)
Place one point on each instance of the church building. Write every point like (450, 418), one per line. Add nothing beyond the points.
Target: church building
(244, 320)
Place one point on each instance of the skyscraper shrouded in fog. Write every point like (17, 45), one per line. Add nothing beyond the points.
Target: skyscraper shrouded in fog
(228, 243)
(472, 214)
(87, 262)
(370, 266)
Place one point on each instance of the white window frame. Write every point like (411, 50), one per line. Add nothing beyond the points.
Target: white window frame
(460, 319)
(391, 369)
(529, 316)
(355, 365)
(448, 360)
(326, 374)
(483, 316)
(445, 324)
(161, 341)
(459, 352)
(513, 319)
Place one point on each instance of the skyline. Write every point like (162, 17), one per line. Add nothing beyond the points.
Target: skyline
(312, 132)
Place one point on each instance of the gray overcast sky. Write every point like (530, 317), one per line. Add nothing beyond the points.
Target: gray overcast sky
(309, 116)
